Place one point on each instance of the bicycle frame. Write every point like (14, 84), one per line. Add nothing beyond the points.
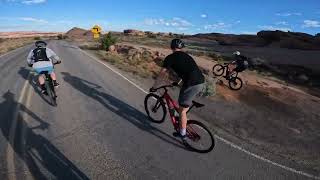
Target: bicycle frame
(226, 67)
(172, 104)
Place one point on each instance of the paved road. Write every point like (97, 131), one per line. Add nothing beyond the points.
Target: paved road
(99, 130)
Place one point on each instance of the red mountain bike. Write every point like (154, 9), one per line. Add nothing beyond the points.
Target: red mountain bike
(199, 138)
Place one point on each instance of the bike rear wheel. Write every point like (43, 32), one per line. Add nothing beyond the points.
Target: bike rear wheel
(235, 83)
(199, 138)
(155, 108)
(218, 70)
(51, 93)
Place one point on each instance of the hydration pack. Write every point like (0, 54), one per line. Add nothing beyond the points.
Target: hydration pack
(40, 54)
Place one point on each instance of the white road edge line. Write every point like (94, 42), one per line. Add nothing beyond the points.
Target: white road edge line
(218, 137)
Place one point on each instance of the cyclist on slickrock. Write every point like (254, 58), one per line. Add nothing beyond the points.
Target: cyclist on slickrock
(40, 59)
(238, 65)
(193, 80)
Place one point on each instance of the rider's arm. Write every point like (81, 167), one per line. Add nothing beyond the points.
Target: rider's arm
(29, 58)
(52, 55)
(161, 77)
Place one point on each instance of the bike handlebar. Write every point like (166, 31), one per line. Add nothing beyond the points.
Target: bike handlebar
(58, 62)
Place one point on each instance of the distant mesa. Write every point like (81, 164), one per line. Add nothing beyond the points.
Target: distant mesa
(80, 34)
(22, 34)
(290, 40)
(133, 32)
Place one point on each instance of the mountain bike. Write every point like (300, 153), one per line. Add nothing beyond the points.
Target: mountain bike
(199, 137)
(50, 87)
(235, 83)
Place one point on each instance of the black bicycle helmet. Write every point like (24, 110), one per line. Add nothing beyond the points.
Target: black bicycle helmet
(40, 44)
(177, 44)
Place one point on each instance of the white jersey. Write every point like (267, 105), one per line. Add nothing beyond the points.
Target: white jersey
(42, 64)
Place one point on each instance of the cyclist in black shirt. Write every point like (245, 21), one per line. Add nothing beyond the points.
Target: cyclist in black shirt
(193, 80)
(238, 65)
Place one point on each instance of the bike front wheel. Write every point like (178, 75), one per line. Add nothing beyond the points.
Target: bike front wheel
(235, 83)
(218, 70)
(199, 137)
(155, 108)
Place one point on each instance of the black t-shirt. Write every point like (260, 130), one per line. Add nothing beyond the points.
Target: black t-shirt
(240, 60)
(186, 68)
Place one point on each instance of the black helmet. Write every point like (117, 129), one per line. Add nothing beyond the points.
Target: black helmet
(177, 44)
(40, 44)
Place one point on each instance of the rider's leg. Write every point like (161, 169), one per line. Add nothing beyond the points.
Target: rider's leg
(186, 96)
(231, 68)
(53, 76)
(183, 120)
(54, 79)
(41, 82)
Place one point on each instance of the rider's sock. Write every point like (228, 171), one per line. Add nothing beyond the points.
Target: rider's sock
(183, 131)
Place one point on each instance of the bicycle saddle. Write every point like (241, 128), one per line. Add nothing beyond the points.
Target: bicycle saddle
(197, 105)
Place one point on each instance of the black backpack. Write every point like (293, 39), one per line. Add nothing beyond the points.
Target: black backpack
(40, 54)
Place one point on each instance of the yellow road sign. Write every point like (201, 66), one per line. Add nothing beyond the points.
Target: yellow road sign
(96, 30)
(96, 36)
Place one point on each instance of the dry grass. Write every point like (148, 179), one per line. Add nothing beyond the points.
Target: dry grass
(7, 45)
(142, 66)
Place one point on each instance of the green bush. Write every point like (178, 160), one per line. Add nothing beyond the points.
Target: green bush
(107, 40)
(209, 87)
(37, 38)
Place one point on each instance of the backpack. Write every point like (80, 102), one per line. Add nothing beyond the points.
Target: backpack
(40, 54)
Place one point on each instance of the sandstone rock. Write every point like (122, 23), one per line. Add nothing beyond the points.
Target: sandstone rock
(112, 48)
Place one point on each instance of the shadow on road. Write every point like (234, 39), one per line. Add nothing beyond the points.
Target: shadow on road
(42, 158)
(118, 107)
(33, 81)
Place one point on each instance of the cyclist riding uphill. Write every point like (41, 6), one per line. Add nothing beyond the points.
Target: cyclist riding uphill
(193, 80)
(40, 59)
(238, 65)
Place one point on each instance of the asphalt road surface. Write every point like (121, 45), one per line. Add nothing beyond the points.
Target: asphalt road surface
(99, 130)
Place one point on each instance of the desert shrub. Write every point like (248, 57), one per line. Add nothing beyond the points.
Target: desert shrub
(209, 88)
(37, 38)
(1, 40)
(214, 56)
(153, 36)
(147, 56)
(107, 40)
(61, 36)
